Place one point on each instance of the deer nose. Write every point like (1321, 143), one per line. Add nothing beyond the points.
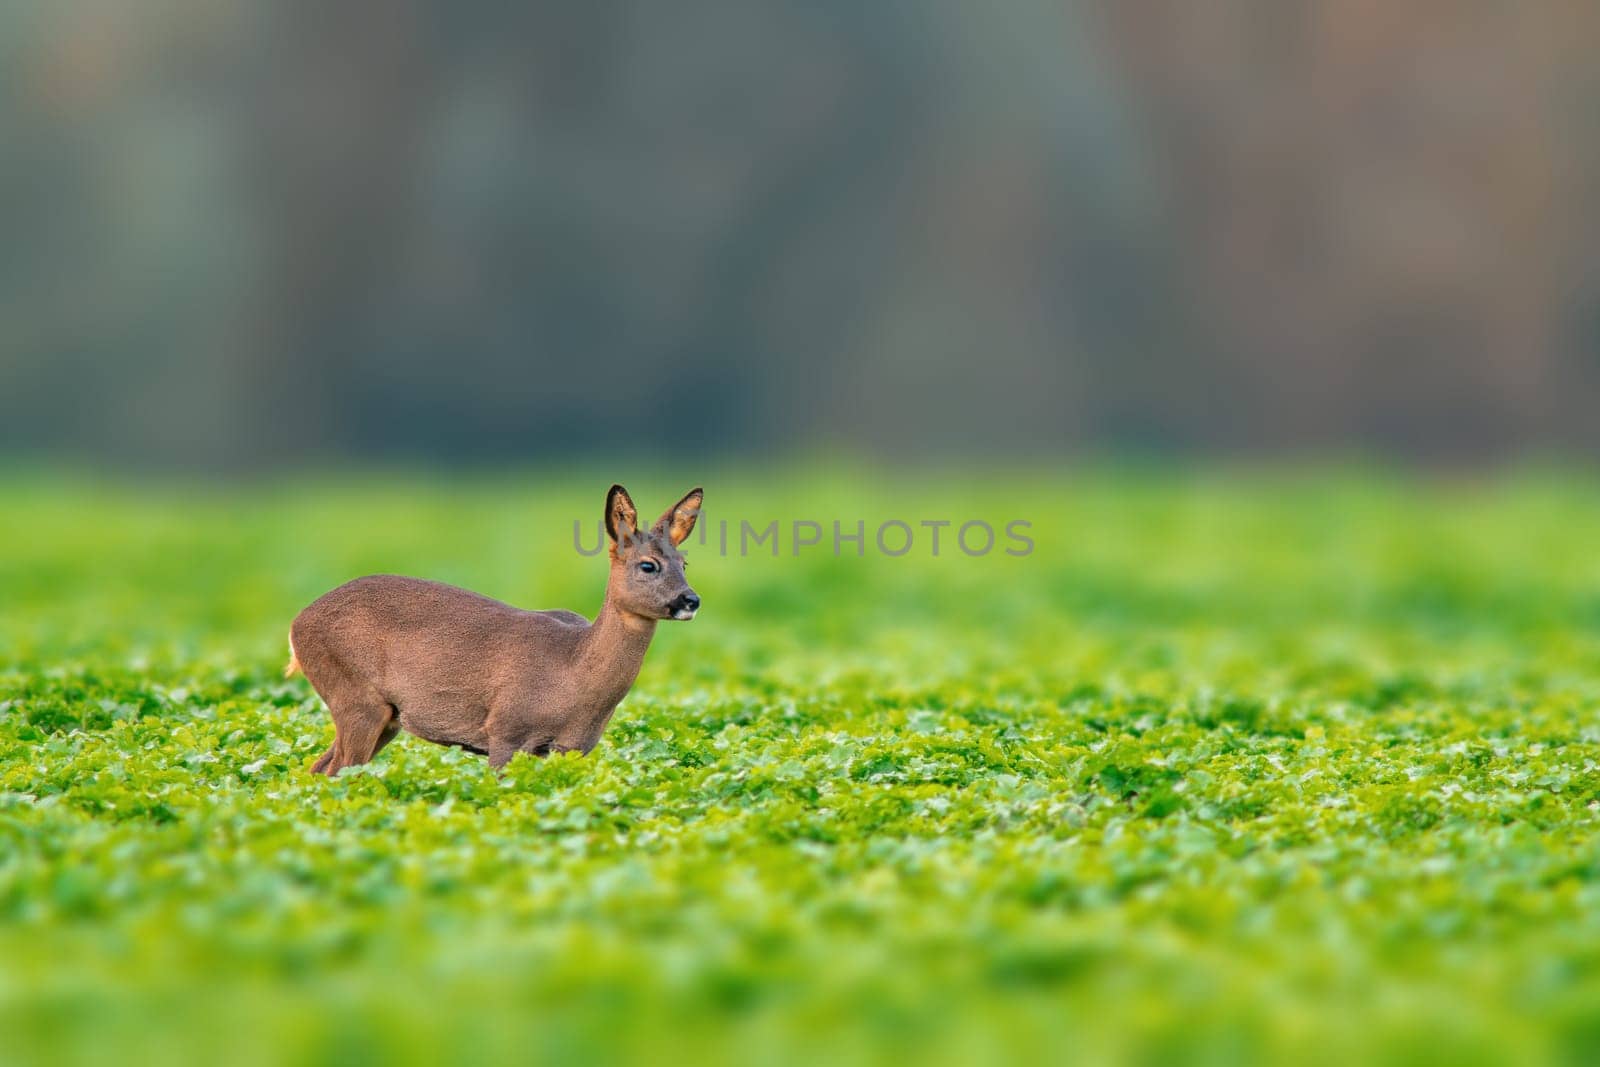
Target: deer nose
(690, 601)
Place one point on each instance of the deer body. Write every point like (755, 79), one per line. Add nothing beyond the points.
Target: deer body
(389, 653)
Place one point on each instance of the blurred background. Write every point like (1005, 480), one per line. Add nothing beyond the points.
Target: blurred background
(243, 236)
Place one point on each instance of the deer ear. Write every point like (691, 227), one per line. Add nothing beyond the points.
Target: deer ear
(622, 518)
(678, 521)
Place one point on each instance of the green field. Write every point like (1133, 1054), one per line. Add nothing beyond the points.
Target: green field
(1253, 765)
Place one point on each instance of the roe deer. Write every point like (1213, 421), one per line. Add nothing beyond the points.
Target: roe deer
(388, 653)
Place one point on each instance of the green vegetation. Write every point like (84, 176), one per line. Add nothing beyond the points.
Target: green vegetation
(1232, 767)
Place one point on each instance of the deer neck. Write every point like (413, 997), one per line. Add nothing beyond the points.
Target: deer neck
(613, 650)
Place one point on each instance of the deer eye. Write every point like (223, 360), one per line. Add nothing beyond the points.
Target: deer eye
(649, 566)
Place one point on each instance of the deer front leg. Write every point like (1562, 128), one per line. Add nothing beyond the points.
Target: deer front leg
(517, 727)
(500, 753)
(502, 749)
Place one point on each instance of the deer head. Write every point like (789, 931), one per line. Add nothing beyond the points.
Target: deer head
(647, 577)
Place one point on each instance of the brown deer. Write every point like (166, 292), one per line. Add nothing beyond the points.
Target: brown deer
(388, 653)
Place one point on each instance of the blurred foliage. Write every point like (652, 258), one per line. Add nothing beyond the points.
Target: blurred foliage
(245, 234)
(1234, 767)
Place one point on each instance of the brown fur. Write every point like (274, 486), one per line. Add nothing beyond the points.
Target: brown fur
(388, 653)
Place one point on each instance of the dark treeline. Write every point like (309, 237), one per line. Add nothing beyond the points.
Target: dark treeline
(246, 233)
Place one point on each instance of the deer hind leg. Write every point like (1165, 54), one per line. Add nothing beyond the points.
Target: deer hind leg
(361, 728)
